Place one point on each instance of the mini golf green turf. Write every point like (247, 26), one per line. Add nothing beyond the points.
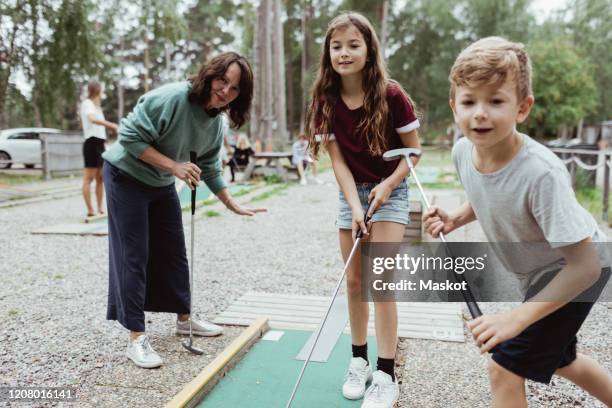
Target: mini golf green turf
(267, 373)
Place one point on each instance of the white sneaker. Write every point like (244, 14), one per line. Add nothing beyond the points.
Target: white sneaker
(199, 327)
(303, 182)
(358, 374)
(382, 393)
(142, 354)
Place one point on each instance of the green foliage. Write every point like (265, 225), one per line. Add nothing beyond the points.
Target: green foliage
(591, 199)
(17, 179)
(267, 194)
(70, 54)
(591, 29)
(563, 85)
(58, 45)
(507, 18)
(425, 38)
(273, 179)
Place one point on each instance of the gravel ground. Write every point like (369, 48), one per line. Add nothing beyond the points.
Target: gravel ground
(53, 302)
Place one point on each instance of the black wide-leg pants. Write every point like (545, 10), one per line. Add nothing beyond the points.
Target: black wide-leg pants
(148, 269)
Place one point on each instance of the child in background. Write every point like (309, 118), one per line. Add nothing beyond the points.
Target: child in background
(521, 192)
(300, 157)
(242, 153)
(357, 113)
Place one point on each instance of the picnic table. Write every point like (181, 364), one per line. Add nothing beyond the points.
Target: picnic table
(267, 163)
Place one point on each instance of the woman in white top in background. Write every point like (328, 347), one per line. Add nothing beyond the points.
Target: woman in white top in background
(94, 132)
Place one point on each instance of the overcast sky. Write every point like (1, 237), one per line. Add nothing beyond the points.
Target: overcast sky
(543, 8)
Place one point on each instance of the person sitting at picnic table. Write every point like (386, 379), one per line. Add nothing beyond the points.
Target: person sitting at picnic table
(242, 153)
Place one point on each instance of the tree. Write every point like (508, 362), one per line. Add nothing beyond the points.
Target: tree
(507, 18)
(425, 39)
(268, 119)
(12, 50)
(50, 46)
(591, 30)
(564, 86)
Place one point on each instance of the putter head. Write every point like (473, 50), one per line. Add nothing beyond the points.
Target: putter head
(399, 153)
(188, 345)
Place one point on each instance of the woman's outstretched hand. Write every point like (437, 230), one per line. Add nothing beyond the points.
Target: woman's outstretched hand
(238, 209)
(233, 206)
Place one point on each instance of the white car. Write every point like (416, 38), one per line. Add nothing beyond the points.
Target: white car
(21, 145)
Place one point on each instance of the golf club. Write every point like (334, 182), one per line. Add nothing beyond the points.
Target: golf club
(406, 153)
(358, 238)
(189, 345)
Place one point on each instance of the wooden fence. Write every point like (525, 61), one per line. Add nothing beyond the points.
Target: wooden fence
(61, 153)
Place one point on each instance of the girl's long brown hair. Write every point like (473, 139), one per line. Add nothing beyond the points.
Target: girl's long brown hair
(239, 108)
(326, 89)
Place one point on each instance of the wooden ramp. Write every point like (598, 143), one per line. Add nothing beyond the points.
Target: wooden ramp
(435, 321)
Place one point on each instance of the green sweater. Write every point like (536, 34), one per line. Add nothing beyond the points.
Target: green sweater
(165, 120)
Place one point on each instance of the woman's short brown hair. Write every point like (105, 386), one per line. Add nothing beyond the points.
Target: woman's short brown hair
(239, 108)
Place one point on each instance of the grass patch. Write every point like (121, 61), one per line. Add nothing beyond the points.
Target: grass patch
(212, 213)
(273, 179)
(13, 312)
(324, 162)
(16, 179)
(439, 157)
(242, 192)
(591, 199)
(269, 193)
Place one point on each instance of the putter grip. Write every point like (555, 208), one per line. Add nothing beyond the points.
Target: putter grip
(367, 219)
(193, 158)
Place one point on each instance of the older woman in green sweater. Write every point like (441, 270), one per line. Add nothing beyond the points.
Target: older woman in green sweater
(148, 269)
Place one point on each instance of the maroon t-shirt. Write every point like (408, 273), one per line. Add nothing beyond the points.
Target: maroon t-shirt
(365, 167)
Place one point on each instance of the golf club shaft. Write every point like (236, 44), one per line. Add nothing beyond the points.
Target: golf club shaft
(358, 238)
(467, 293)
(193, 159)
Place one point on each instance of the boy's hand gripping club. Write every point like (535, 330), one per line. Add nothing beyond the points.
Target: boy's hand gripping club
(358, 238)
(406, 153)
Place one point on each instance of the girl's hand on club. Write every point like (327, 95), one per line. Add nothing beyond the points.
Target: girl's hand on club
(188, 172)
(490, 330)
(436, 221)
(378, 196)
(359, 223)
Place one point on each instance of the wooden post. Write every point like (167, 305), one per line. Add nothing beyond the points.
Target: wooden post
(606, 187)
(44, 144)
(573, 171)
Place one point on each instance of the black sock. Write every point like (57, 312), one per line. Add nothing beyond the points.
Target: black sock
(386, 365)
(361, 351)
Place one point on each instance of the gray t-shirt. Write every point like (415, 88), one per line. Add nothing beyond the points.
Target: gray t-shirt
(530, 200)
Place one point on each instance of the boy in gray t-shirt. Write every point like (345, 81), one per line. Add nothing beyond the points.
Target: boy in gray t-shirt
(521, 192)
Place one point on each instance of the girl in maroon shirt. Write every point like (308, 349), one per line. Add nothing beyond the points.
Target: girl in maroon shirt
(357, 114)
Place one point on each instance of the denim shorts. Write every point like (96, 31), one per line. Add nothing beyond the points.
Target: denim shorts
(395, 209)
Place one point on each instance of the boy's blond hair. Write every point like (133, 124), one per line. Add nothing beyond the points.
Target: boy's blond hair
(490, 61)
